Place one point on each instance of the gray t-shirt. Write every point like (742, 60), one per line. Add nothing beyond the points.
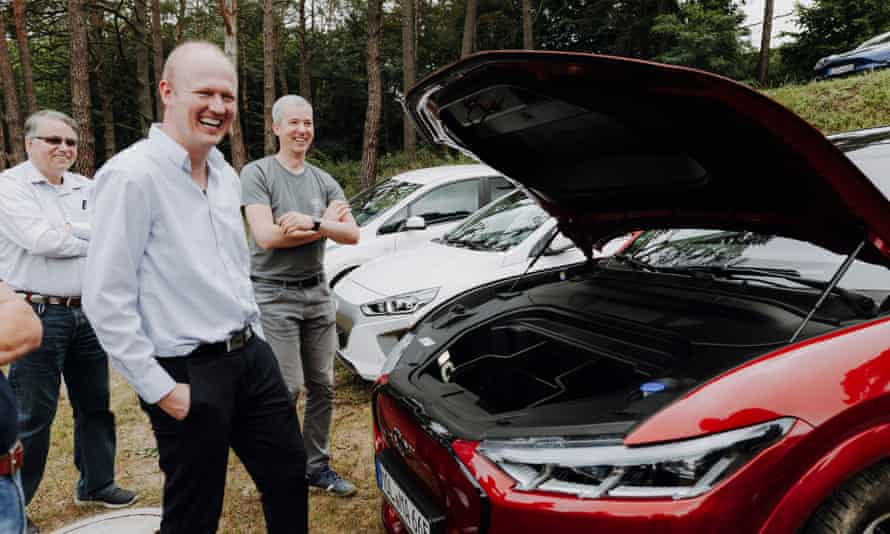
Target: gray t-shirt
(266, 181)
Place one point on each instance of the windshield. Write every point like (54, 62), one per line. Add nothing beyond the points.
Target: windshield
(501, 225)
(370, 203)
(880, 39)
(747, 250)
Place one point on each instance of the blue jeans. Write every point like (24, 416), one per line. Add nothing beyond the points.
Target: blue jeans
(69, 349)
(12, 505)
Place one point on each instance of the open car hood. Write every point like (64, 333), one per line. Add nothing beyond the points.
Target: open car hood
(611, 145)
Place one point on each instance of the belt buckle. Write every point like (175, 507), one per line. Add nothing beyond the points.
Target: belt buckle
(235, 342)
(238, 340)
(13, 466)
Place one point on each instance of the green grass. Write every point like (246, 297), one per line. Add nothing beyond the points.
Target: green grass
(840, 105)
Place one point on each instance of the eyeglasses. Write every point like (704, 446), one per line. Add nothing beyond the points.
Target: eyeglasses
(55, 140)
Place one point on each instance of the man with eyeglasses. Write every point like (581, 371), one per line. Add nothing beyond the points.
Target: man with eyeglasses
(44, 236)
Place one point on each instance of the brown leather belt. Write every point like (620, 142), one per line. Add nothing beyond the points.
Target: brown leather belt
(12, 460)
(37, 298)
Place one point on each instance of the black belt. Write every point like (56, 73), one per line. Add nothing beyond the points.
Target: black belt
(37, 298)
(302, 283)
(235, 342)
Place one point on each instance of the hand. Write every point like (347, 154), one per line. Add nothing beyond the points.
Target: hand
(337, 211)
(293, 221)
(178, 402)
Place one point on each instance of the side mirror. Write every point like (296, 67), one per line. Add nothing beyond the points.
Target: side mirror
(559, 245)
(415, 222)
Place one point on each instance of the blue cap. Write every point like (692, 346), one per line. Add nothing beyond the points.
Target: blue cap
(653, 387)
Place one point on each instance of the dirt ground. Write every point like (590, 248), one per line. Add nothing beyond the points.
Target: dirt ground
(137, 468)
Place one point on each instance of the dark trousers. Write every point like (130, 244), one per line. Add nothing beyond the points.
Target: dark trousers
(70, 349)
(238, 400)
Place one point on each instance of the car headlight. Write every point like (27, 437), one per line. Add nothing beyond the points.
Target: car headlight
(605, 468)
(400, 304)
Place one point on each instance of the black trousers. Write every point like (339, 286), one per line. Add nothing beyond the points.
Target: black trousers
(238, 400)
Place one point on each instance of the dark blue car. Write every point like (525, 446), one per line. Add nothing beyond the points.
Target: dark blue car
(870, 55)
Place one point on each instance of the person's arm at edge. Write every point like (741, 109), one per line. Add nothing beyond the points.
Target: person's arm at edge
(110, 288)
(20, 329)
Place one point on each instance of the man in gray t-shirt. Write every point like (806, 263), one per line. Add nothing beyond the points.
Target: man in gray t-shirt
(292, 207)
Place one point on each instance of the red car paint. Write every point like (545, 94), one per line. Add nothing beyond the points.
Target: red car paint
(836, 386)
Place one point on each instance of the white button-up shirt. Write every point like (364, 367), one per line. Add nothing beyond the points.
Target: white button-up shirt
(168, 266)
(37, 253)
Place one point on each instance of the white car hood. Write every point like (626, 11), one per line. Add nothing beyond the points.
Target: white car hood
(430, 265)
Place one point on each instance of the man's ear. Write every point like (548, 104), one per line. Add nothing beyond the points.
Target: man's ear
(165, 90)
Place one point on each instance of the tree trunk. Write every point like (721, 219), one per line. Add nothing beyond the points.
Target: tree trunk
(80, 87)
(305, 54)
(104, 88)
(157, 45)
(409, 69)
(229, 10)
(21, 34)
(368, 172)
(528, 39)
(11, 97)
(3, 164)
(180, 22)
(280, 45)
(469, 41)
(763, 64)
(143, 84)
(268, 74)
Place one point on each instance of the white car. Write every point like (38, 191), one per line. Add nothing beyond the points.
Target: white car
(381, 300)
(410, 209)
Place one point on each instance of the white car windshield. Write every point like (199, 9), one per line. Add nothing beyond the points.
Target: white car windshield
(499, 226)
(370, 203)
(748, 251)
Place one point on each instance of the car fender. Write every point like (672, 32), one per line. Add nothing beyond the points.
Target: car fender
(828, 472)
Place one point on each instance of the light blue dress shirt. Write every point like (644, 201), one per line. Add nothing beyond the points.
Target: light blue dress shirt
(37, 253)
(168, 266)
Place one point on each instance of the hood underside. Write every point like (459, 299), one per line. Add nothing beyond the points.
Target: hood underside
(611, 145)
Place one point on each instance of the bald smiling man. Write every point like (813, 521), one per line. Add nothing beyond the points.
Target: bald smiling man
(168, 289)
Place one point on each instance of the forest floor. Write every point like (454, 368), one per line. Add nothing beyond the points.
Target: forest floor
(352, 452)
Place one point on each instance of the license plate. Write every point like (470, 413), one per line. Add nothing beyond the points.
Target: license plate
(411, 516)
(841, 69)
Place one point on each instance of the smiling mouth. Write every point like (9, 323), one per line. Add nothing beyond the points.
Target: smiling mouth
(213, 123)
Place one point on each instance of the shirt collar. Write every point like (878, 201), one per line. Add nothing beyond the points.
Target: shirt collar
(177, 154)
(34, 175)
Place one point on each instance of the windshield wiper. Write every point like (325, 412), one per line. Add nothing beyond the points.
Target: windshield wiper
(862, 304)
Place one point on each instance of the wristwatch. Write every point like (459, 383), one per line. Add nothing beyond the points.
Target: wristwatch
(316, 223)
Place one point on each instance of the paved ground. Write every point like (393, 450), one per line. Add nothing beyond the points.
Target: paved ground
(133, 521)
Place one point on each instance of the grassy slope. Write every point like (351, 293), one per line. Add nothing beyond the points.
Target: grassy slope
(840, 105)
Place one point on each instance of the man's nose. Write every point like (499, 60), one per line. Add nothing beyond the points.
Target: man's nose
(217, 104)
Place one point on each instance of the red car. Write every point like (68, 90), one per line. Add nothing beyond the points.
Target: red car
(728, 372)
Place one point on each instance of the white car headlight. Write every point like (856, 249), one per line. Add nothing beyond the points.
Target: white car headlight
(592, 469)
(400, 304)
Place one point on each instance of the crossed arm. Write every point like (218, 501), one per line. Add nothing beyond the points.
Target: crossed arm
(293, 229)
(20, 329)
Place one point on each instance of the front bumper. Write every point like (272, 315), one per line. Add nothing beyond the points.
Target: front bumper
(746, 502)
(365, 340)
